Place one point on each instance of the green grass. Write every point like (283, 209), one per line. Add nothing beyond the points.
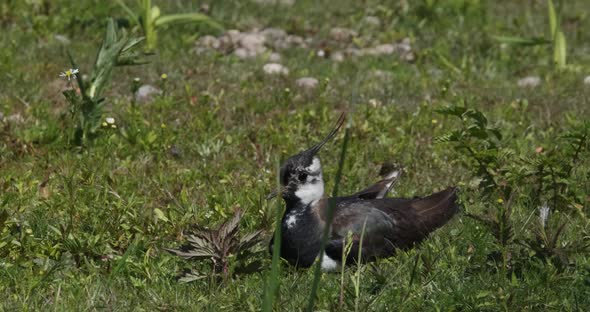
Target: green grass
(78, 227)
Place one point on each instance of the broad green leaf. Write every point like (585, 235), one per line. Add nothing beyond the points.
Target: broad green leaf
(452, 110)
(151, 137)
(496, 133)
(186, 18)
(132, 43)
(160, 215)
(478, 116)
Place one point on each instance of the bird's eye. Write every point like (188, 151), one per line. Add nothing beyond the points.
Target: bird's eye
(302, 176)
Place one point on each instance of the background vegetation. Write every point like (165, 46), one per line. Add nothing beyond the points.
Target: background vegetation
(85, 220)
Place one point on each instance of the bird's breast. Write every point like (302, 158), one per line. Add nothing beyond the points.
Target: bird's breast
(301, 238)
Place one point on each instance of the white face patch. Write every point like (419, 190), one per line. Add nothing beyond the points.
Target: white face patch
(315, 165)
(329, 264)
(312, 190)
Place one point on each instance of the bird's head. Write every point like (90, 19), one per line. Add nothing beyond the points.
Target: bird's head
(301, 174)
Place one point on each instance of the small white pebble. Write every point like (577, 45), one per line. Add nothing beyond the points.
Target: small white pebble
(530, 81)
(205, 8)
(307, 83)
(242, 53)
(381, 74)
(209, 41)
(62, 39)
(273, 34)
(587, 80)
(146, 93)
(274, 57)
(15, 118)
(384, 49)
(373, 20)
(253, 42)
(337, 56)
(275, 69)
(342, 34)
(375, 103)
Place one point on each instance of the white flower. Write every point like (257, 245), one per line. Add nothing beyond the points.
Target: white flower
(70, 73)
(543, 214)
(110, 120)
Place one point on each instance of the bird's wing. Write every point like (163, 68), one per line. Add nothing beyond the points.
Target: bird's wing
(416, 218)
(355, 220)
(382, 187)
(389, 223)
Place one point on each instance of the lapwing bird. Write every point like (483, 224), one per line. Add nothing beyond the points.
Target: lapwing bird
(388, 223)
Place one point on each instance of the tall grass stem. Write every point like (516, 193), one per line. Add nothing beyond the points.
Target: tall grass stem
(330, 214)
(272, 283)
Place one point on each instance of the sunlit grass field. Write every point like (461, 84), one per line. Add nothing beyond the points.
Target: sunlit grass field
(476, 94)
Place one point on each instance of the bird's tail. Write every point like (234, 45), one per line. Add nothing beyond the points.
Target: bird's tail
(437, 209)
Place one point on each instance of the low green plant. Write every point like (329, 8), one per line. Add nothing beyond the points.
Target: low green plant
(509, 181)
(150, 20)
(548, 244)
(86, 106)
(223, 246)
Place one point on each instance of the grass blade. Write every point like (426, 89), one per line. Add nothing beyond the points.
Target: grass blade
(272, 283)
(532, 41)
(552, 18)
(129, 12)
(345, 252)
(330, 214)
(122, 262)
(357, 284)
(559, 50)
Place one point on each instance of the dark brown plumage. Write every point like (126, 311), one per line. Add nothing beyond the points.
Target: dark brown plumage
(391, 223)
